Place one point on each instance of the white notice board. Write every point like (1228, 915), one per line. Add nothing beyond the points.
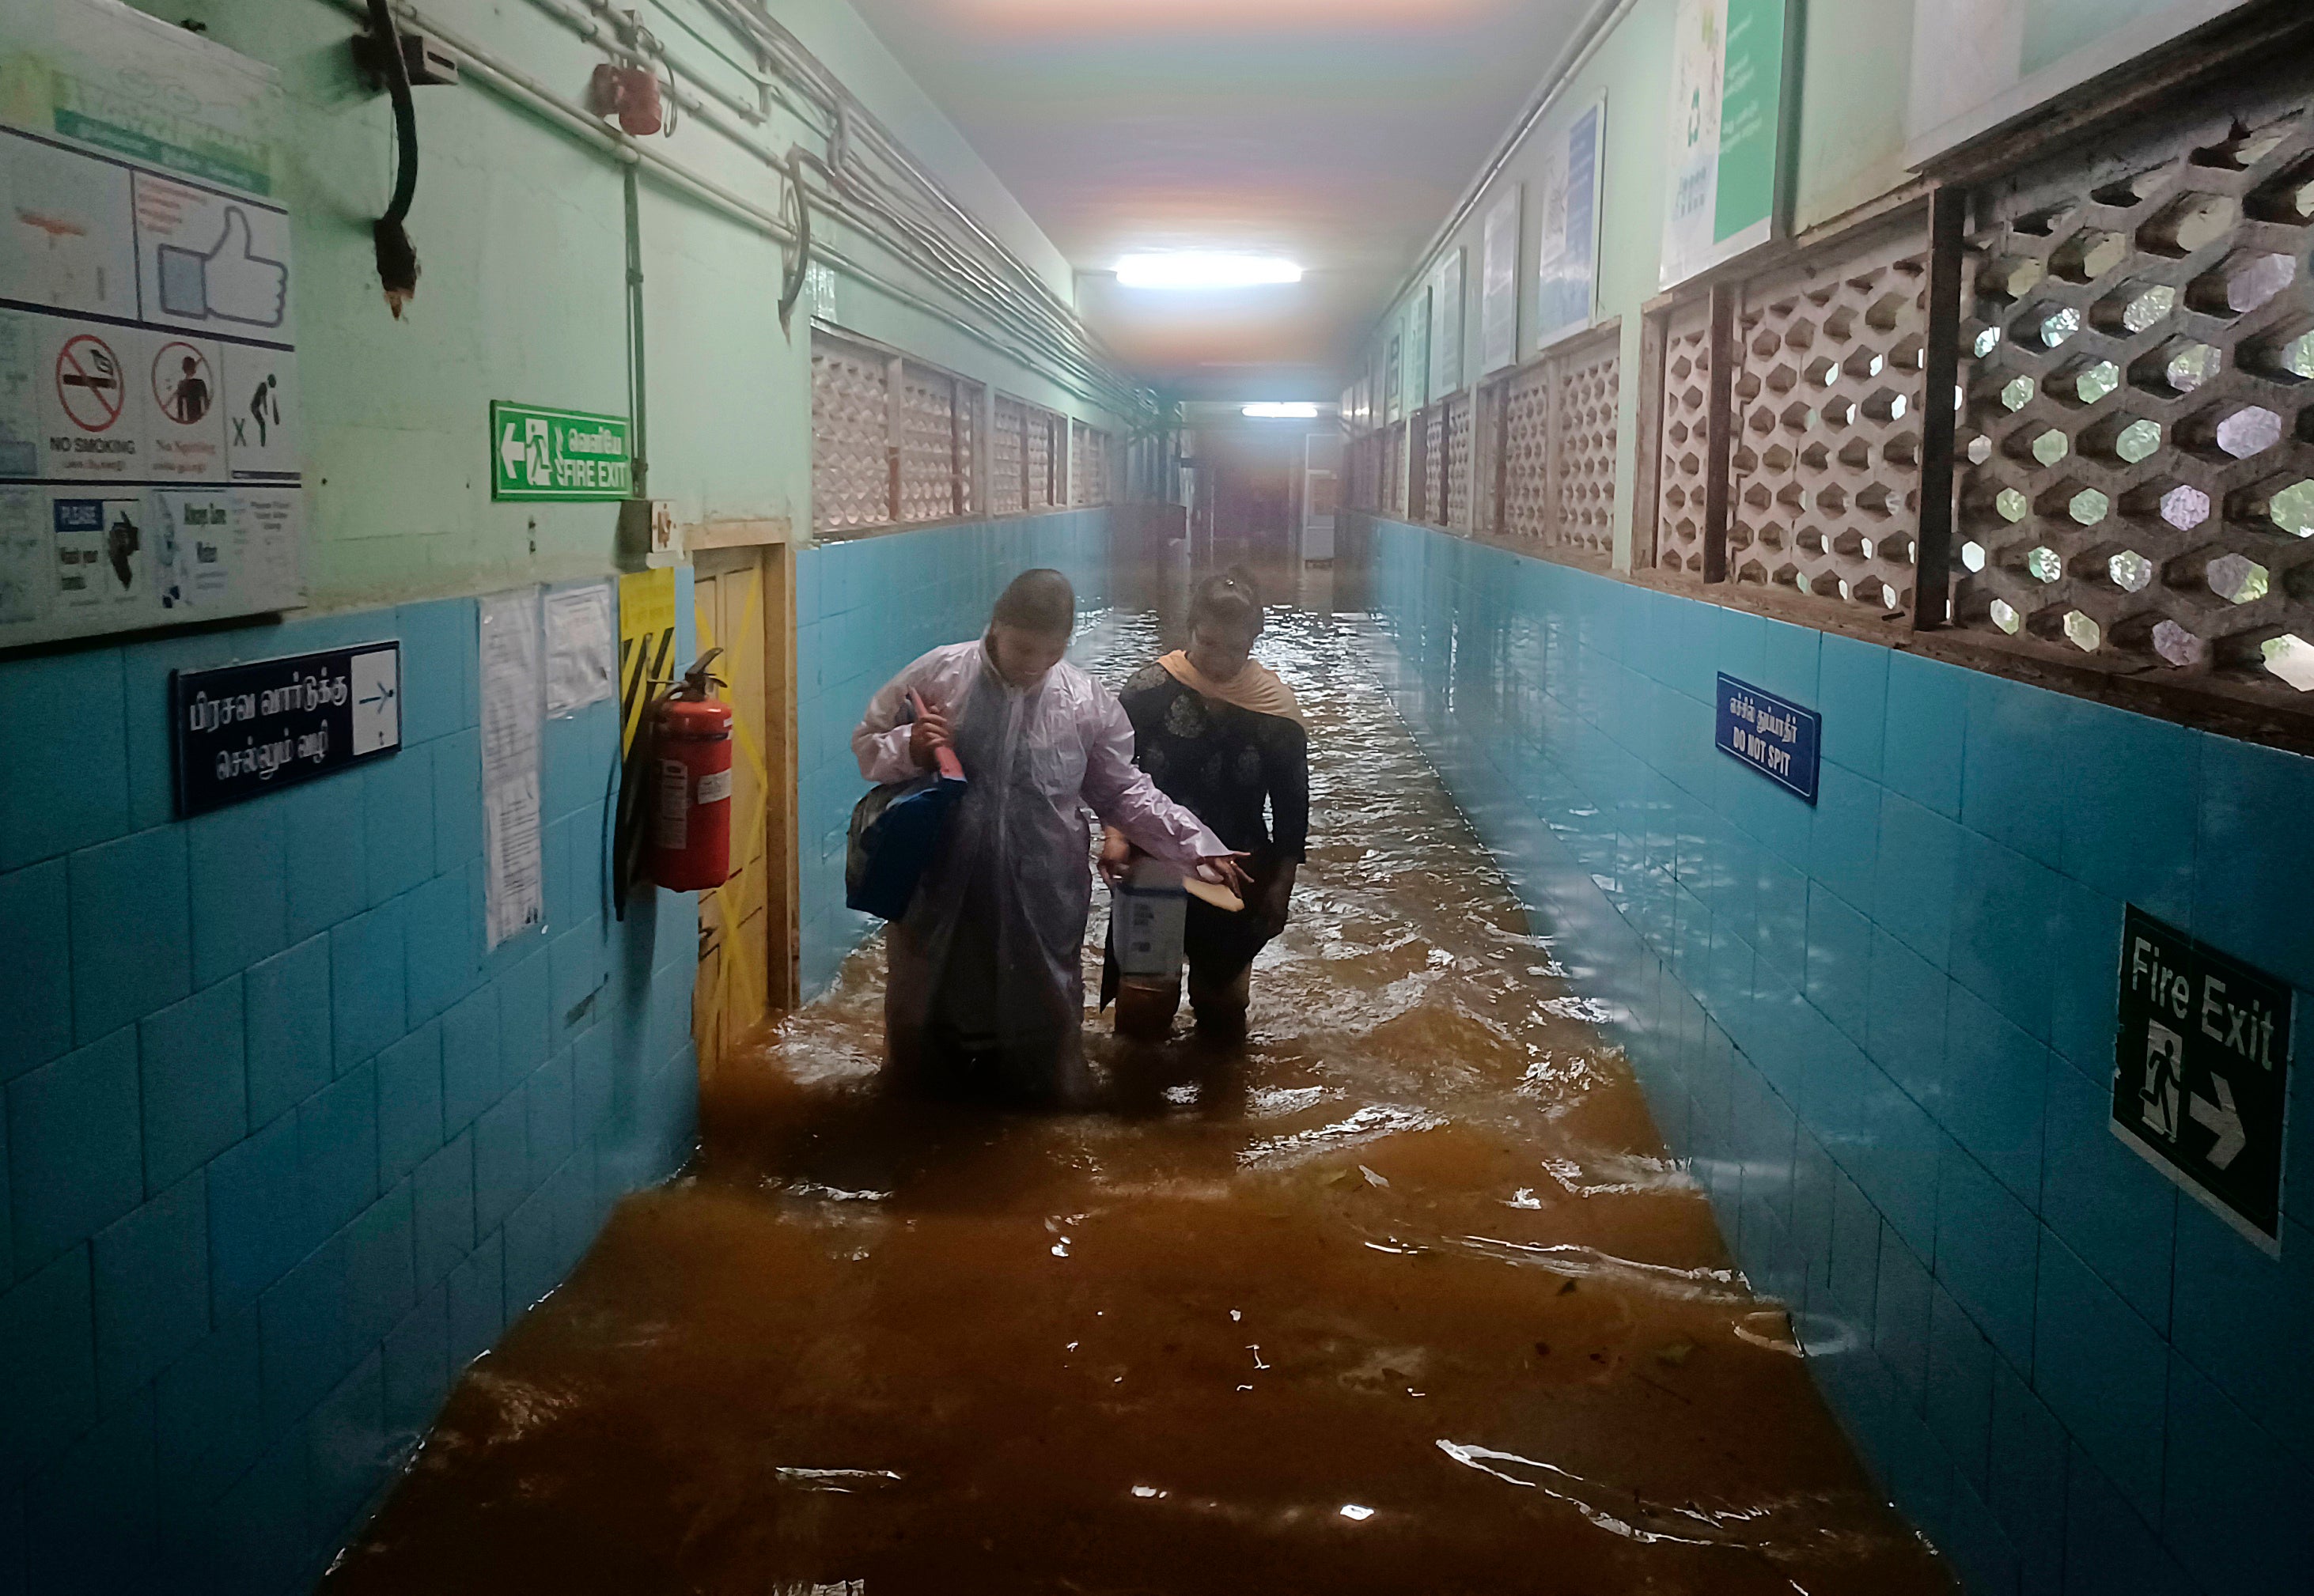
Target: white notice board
(1977, 63)
(149, 448)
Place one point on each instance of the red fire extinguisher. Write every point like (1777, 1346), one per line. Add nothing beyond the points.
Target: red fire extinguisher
(691, 830)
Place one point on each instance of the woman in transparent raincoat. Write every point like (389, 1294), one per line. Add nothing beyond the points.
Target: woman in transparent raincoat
(985, 989)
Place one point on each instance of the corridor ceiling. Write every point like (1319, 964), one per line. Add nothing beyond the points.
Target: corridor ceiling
(1337, 133)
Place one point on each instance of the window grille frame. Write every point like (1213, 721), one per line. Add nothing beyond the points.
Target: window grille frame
(956, 485)
(851, 465)
(1488, 440)
(1431, 478)
(1815, 419)
(2063, 207)
(1523, 472)
(2175, 333)
(1362, 468)
(1091, 466)
(903, 495)
(1041, 464)
(904, 447)
(1586, 426)
(1418, 466)
(1454, 466)
(1008, 492)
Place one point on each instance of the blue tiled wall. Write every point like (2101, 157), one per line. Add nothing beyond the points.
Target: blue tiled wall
(281, 1146)
(863, 610)
(1882, 1029)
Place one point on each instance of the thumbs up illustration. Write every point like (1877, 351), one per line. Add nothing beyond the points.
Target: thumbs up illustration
(229, 281)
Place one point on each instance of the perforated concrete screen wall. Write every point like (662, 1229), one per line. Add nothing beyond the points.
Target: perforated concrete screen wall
(850, 407)
(2139, 438)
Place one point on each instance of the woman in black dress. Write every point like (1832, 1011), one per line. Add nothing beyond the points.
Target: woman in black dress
(1221, 736)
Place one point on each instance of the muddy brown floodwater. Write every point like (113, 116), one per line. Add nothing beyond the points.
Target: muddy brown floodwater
(1403, 1297)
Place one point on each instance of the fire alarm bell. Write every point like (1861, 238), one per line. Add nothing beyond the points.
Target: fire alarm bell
(426, 59)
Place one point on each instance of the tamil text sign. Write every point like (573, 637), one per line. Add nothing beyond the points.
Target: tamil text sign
(244, 730)
(1777, 738)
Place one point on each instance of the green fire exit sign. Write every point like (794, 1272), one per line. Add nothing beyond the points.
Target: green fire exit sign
(541, 452)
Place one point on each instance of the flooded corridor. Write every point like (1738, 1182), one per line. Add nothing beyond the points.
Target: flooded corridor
(1792, 526)
(1403, 1295)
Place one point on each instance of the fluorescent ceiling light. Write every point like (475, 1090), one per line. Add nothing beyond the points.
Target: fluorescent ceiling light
(1201, 268)
(1281, 412)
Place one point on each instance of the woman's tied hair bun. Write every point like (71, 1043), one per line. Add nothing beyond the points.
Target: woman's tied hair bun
(1229, 599)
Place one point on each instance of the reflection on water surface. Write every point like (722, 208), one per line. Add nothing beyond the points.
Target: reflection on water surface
(1405, 1296)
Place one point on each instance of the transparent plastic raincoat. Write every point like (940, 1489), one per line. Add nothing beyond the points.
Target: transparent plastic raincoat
(988, 961)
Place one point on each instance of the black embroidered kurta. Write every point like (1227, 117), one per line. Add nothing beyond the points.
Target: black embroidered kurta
(1247, 776)
(1226, 765)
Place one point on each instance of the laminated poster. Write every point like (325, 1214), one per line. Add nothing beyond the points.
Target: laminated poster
(1498, 286)
(1416, 376)
(149, 457)
(1726, 135)
(1566, 242)
(1447, 340)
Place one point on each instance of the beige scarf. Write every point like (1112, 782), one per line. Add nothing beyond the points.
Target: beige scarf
(1256, 688)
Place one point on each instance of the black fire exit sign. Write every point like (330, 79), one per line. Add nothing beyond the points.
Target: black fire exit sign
(2201, 1073)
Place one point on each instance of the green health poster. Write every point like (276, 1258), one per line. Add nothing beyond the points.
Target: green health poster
(1726, 132)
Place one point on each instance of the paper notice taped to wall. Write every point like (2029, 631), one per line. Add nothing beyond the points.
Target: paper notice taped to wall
(515, 894)
(578, 664)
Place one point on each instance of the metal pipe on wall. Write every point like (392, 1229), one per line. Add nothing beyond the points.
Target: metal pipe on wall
(1074, 374)
(638, 388)
(916, 244)
(856, 124)
(782, 42)
(1026, 299)
(611, 35)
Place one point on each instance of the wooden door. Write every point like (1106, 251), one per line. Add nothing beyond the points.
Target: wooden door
(747, 954)
(1321, 465)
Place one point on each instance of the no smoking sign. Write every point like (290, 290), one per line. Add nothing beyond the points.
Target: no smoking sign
(88, 383)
